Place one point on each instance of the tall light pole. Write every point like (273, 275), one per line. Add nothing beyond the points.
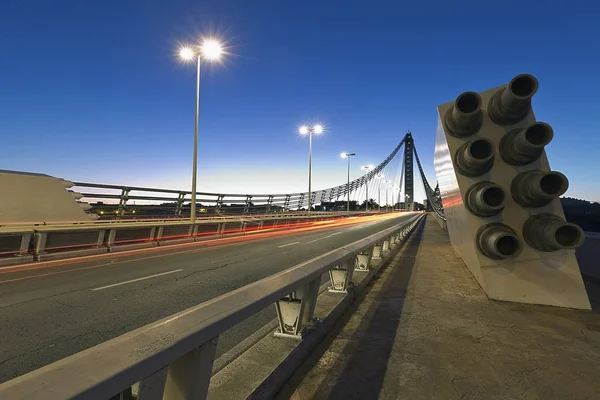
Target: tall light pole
(310, 131)
(367, 168)
(211, 50)
(347, 157)
(387, 186)
(379, 178)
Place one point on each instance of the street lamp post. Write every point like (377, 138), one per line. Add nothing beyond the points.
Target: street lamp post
(387, 186)
(347, 157)
(305, 130)
(210, 50)
(379, 178)
(367, 168)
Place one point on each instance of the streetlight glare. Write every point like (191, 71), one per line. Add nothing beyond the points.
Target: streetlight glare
(211, 49)
(303, 130)
(186, 53)
(318, 129)
(343, 155)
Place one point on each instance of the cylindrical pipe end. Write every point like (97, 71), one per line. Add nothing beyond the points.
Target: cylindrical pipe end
(548, 232)
(465, 117)
(485, 199)
(537, 188)
(523, 146)
(511, 104)
(498, 241)
(474, 158)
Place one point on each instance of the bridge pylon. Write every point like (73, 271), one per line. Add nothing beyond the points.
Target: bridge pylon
(501, 199)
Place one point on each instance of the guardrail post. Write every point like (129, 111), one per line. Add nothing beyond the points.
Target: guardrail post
(219, 203)
(189, 376)
(300, 201)
(100, 238)
(123, 202)
(297, 310)
(341, 276)
(25, 240)
(247, 204)
(363, 260)
(376, 252)
(179, 206)
(40, 242)
(159, 233)
(110, 240)
(386, 244)
(153, 387)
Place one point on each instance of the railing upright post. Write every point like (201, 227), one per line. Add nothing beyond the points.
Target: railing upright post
(300, 201)
(341, 276)
(219, 204)
(153, 387)
(363, 260)
(247, 204)
(295, 311)
(179, 206)
(123, 202)
(189, 376)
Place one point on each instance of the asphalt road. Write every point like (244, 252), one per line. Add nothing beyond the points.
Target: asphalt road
(51, 310)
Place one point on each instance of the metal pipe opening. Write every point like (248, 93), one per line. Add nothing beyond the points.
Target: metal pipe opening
(475, 158)
(507, 245)
(539, 134)
(464, 118)
(537, 188)
(523, 146)
(511, 104)
(498, 241)
(548, 232)
(485, 199)
(553, 184)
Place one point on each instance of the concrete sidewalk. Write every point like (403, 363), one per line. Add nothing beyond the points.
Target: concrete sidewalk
(426, 330)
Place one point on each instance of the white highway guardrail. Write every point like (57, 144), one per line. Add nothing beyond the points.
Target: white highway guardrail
(173, 358)
(24, 244)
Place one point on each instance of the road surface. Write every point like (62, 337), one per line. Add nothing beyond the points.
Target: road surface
(51, 310)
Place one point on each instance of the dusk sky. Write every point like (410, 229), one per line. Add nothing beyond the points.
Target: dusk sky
(93, 90)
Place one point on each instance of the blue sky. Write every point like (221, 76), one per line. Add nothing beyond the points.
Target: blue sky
(93, 91)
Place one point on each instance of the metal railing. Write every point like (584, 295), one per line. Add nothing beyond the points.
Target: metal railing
(23, 244)
(173, 358)
(175, 203)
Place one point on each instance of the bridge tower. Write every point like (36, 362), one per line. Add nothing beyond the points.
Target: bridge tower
(409, 146)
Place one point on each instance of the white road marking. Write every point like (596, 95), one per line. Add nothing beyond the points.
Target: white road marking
(333, 234)
(136, 280)
(289, 244)
(324, 237)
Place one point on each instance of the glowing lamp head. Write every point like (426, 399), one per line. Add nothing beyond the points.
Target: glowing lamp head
(303, 130)
(344, 155)
(318, 129)
(211, 49)
(186, 53)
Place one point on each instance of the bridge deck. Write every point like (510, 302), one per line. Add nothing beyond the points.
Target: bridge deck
(425, 329)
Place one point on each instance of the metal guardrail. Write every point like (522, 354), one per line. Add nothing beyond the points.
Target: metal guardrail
(173, 358)
(19, 244)
(174, 201)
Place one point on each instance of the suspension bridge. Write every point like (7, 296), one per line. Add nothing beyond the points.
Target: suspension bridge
(114, 292)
